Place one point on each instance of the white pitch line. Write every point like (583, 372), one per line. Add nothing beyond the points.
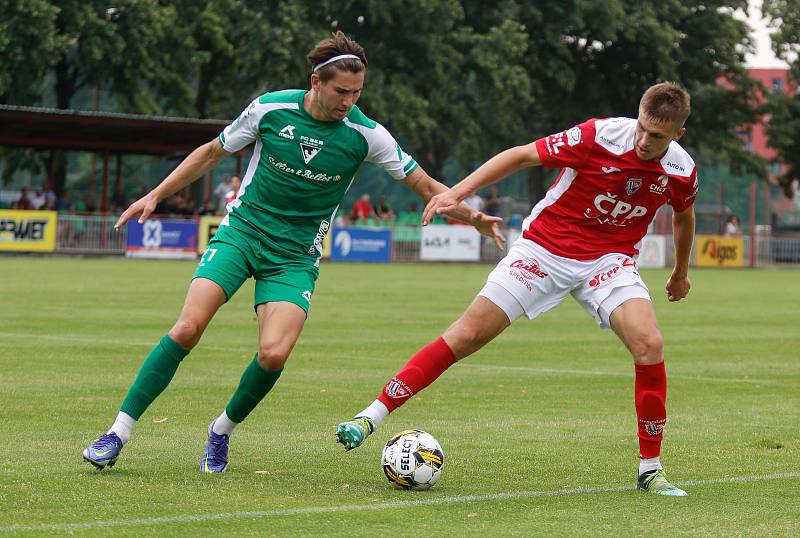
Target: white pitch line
(108, 342)
(460, 499)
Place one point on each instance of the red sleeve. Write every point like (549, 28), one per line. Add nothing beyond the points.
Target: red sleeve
(683, 197)
(568, 148)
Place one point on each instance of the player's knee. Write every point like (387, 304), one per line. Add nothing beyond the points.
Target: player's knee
(186, 333)
(649, 348)
(272, 358)
(465, 339)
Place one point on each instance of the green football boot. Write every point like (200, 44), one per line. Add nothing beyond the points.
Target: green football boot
(352, 433)
(656, 482)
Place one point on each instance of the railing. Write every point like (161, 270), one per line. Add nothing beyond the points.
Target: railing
(94, 234)
(89, 234)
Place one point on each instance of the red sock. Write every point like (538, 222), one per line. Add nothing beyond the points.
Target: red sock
(429, 363)
(650, 393)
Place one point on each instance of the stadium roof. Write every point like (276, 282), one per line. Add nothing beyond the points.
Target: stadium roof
(49, 128)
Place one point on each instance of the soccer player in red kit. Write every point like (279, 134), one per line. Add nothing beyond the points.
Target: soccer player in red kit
(581, 239)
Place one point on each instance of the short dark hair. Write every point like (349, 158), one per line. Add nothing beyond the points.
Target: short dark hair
(336, 45)
(666, 101)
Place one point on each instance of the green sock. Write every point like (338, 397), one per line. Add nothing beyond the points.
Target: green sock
(154, 375)
(254, 385)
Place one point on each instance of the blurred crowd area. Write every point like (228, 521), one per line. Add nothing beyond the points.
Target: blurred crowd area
(367, 210)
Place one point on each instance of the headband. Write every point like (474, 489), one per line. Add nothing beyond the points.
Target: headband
(334, 59)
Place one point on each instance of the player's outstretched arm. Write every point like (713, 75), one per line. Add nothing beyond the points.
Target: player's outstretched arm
(498, 167)
(197, 163)
(426, 187)
(683, 231)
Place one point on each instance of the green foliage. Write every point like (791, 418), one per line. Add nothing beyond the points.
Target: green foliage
(27, 45)
(784, 126)
(453, 79)
(784, 135)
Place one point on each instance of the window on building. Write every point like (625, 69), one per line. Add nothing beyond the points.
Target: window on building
(746, 136)
(777, 85)
(775, 168)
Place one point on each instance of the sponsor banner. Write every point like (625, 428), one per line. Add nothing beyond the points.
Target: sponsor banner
(206, 229)
(28, 231)
(718, 251)
(441, 242)
(162, 239)
(652, 252)
(361, 245)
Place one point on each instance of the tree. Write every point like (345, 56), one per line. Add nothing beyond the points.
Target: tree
(784, 127)
(236, 49)
(27, 46)
(598, 58)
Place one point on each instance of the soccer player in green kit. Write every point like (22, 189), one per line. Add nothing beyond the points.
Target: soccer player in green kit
(308, 147)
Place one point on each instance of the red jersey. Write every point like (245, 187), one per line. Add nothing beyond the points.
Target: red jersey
(606, 196)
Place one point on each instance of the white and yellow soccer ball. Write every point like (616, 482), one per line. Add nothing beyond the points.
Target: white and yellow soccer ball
(413, 459)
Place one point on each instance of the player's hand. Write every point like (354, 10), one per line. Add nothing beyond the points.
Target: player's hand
(490, 227)
(143, 207)
(677, 287)
(438, 204)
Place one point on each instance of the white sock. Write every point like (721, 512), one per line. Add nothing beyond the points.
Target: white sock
(649, 464)
(123, 426)
(375, 412)
(223, 425)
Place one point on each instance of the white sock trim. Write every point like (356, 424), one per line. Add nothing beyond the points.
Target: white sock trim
(223, 425)
(649, 464)
(375, 412)
(123, 426)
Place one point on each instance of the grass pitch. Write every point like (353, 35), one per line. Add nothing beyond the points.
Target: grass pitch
(538, 429)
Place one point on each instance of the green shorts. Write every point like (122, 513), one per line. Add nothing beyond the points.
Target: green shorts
(234, 256)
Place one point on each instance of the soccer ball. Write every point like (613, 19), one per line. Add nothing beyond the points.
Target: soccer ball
(413, 459)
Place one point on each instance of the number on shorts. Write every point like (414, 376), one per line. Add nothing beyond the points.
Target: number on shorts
(210, 252)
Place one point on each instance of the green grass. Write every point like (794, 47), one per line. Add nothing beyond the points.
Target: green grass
(538, 428)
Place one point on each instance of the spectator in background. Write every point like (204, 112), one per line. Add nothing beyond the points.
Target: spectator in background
(65, 201)
(221, 192)
(230, 196)
(362, 209)
(733, 227)
(384, 211)
(44, 198)
(50, 197)
(492, 204)
(474, 201)
(37, 200)
(24, 201)
(209, 209)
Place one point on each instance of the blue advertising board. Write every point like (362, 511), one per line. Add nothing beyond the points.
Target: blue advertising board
(361, 245)
(157, 238)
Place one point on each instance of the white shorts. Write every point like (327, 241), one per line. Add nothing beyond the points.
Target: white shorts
(531, 280)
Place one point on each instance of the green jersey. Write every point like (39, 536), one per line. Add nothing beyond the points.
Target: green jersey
(301, 169)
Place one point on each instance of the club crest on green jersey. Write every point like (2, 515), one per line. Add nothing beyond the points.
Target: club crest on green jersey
(310, 147)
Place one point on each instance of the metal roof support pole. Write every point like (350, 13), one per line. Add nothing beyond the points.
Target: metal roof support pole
(104, 202)
(118, 182)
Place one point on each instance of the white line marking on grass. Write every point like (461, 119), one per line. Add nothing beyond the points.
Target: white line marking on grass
(106, 341)
(460, 499)
(598, 373)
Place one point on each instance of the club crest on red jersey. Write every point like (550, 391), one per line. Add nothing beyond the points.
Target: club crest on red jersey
(633, 185)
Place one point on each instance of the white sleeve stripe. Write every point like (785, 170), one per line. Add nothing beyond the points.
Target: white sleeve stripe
(383, 149)
(552, 196)
(244, 130)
